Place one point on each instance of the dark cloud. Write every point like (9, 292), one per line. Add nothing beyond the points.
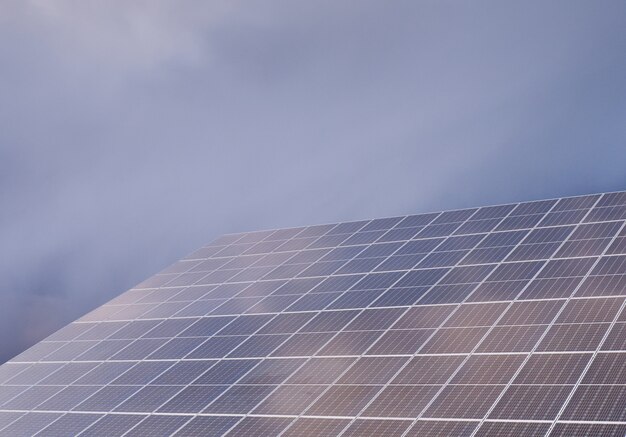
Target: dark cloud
(132, 133)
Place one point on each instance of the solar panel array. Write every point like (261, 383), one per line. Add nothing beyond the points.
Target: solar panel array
(498, 321)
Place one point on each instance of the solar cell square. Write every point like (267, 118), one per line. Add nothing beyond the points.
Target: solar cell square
(616, 339)
(305, 427)
(375, 319)
(421, 246)
(313, 302)
(360, 265)
(298, 286)
(134, 329)
(9, 392)
(29, 424)
(101, 331)
(207, 425)
(259, 345)
(438, 230)
(574, 337)
(107, 398)
(603, 286)
(500, 239)
(290, 399)
(590, 310)
(113, 425)
(497, 291)
(307, 256)
(608, 213)
(467, 274)
(206, 326)
(261, 288)
(139, 349)
(148, 399)
(401, 234)
(240, 399)
(618, 246)
(192, 399)
(454, 340)
(417, 220)
(69, 424)
(401, 401)
(226, 371)
(436, 428)
(563, 217)
(400, 262)
(476, 315)
(487, 255)
(30, 398)
(377, 427)
(488, 369)
(512, 429)
(528, 252)
(183, 372)
(581, 248)
(553, 369)
(176, 348)
(531, 402)
(286, 323)
(550, 288)
(442, 294)
(158, 425)
(519, 222)
(321, 370)
(337, 283)
(355, 299)
(607, 368)
(35, 373)
(532, 312)
(37, 352)
(464, 401)
(350, 343)
(400, 297)
(260, 426)
(217, 347)
(343, 400)
(597, 403)
(401, 342)
(70, 351)
(429, 369)
(588, 429)
(246, 324)
(274, 371)
(273, 304)
(424, 317)
(330, 321)
(372, 370)
(299, 345)
(68, 398)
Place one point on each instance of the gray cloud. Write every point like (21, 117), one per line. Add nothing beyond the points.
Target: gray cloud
(131, 134)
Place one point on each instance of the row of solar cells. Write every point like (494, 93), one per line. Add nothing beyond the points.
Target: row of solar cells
(487, 282)
(542, 243)
(511, 387)
(374, 331)
(52, 424)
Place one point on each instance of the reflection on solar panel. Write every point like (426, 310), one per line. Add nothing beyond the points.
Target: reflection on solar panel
(498, 321)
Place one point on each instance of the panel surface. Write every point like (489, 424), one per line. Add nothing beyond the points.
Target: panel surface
(501, 320)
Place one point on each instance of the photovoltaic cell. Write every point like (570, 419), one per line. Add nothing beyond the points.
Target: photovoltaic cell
(498, 321)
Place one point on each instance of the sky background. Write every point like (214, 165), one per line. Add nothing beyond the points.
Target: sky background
(133, 132)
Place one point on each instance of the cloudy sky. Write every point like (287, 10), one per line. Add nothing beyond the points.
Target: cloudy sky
(132, 132)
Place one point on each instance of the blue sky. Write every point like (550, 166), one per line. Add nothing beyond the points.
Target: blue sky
(132, 133)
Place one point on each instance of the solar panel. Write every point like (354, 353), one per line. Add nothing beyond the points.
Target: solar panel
(504, 320)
